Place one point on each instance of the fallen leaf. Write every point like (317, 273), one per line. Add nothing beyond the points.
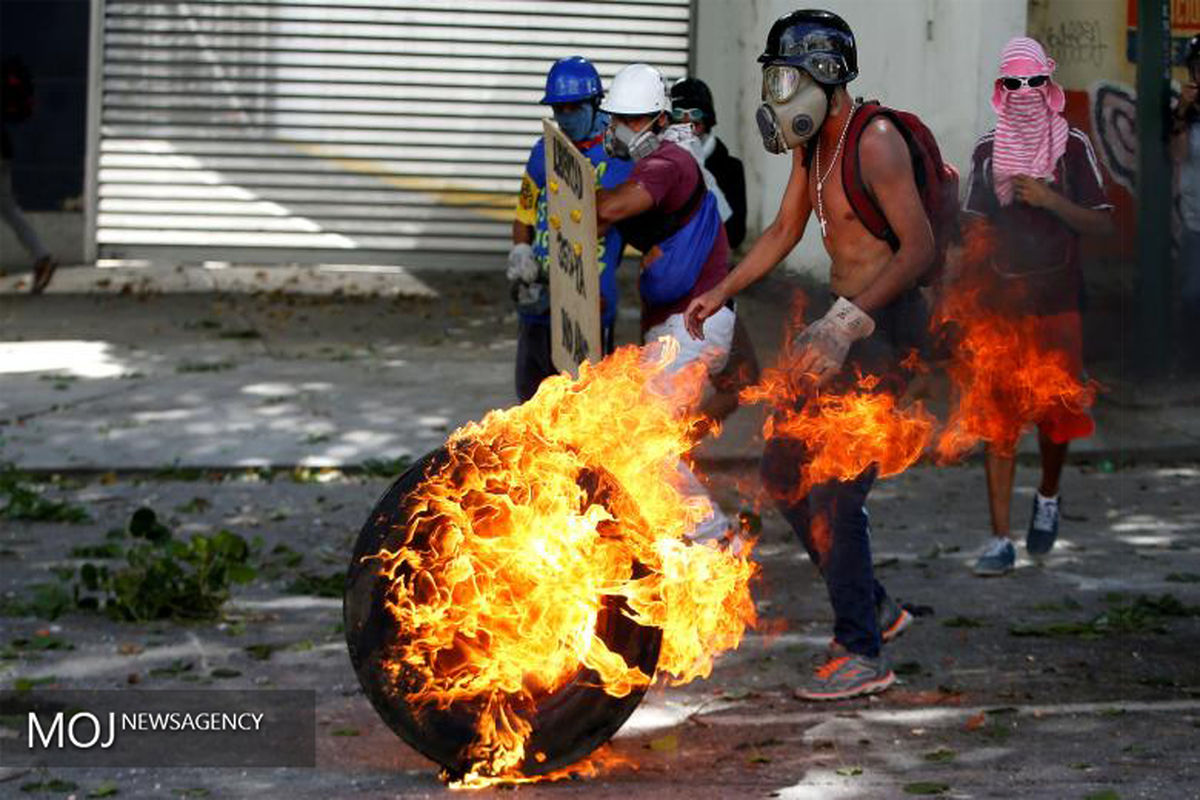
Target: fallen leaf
(941, 755)
(976, 721)
(52, 785)
(665, 744)
(849, 772)
(927, 697)
(129, 648)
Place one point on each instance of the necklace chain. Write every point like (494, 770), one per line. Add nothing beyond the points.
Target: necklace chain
(821, 179)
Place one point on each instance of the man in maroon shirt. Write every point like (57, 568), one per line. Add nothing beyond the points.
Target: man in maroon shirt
(665, 210)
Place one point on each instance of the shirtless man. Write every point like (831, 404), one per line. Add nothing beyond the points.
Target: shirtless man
(877, 316)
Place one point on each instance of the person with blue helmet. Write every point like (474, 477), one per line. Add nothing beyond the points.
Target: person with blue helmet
(573, 91)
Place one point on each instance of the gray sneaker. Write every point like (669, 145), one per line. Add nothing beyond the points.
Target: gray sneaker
(844, 676)
(997, 559)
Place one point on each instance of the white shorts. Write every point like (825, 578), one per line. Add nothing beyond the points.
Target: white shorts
(712, 350)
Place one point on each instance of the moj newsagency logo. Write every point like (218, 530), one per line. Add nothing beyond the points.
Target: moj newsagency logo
(134, 728)
(84, 729)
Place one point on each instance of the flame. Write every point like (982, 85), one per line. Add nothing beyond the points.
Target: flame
(540, 513)
(844, 430)
(1005, 375)
(604, 760)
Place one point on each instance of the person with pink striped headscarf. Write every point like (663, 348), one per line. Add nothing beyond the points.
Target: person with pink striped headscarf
(1036, 184)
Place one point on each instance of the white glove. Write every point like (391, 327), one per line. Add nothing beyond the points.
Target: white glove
(821, 348)
(522, 266)
(528, 294)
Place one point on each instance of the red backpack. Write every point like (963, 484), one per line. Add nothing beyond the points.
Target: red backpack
(937, 182)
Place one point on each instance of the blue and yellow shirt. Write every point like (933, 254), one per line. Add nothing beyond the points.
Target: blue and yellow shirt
(532, 210)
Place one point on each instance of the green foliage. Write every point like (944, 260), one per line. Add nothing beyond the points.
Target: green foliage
(940, 755)
(204, 366)
(164, 578)
(331, 585)
(22, 502)
(44, 600)
(1144, 614)
(29, 684)
(49, 786)
(385, 467)
(107, 550)
(40, 641)
(280, 560)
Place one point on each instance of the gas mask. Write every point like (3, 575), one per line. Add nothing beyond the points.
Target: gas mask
(577, 124)
(621, 141)
(793, 110)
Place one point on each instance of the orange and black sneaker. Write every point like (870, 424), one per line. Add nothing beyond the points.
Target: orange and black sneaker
(846, 676)
(894, 619)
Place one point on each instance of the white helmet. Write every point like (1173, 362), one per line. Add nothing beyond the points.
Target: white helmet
(637, 89)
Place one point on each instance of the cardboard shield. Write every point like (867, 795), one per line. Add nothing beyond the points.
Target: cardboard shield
(574, 263)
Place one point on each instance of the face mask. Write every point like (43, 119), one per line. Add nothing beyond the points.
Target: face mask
(577, 124)
(621, 141)
(790, 124)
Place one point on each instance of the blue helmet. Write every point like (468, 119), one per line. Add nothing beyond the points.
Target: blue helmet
(570, 80)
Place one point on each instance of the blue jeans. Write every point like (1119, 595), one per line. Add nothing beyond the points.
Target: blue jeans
(832, 520)
(834, 527)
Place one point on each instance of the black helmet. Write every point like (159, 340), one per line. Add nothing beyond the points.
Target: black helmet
(819, 42)
(1193, 50)
(694, 93)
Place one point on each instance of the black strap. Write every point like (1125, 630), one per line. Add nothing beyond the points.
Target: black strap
(643, 238)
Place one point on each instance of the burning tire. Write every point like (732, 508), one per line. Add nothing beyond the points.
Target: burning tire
(567, 723)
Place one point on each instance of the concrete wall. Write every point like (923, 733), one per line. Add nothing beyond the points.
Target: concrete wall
(936, 58)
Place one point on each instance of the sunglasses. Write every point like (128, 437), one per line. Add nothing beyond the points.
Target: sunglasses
(687, 115)
(1033, 82)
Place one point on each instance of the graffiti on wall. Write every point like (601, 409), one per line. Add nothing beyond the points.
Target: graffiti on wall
(1113, 111)
(1076, 42)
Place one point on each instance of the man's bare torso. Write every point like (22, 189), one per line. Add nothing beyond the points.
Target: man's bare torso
(858, 257)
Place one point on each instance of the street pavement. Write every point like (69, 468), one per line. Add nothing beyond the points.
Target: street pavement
(1056, 681)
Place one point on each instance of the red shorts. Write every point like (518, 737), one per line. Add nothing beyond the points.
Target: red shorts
(1064, 333)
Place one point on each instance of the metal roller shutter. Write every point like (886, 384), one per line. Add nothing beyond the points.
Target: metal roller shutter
(364, 131)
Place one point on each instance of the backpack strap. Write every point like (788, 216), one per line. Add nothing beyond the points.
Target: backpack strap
(670, 223)
(862, 202)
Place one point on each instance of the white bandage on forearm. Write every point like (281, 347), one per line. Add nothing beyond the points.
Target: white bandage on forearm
(850, 320)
